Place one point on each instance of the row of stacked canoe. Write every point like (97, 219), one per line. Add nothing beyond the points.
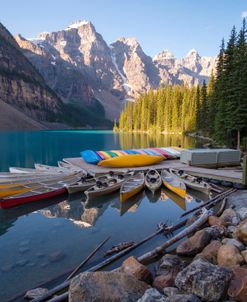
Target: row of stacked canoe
(23, 185)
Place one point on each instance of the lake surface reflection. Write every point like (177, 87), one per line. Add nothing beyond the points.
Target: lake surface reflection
(43, 240)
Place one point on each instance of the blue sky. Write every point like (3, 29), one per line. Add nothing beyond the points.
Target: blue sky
(177, 25)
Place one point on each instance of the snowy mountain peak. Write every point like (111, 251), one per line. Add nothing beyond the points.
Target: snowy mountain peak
(132, 41)
(164, 55)
(77, 24)
(192, 53)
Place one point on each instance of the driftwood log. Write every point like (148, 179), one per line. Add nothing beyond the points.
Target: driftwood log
(210, 202)
(222, 207)
(87, 259)
(119, 247)
(160, 250)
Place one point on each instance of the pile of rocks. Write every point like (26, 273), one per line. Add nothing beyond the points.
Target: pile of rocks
(211, 265)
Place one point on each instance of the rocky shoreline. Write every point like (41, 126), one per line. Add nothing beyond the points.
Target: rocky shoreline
(210, 265)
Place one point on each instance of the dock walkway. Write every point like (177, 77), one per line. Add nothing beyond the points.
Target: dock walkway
(227, 174)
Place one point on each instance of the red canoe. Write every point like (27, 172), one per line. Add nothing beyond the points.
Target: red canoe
(18, 200)
(40, 191)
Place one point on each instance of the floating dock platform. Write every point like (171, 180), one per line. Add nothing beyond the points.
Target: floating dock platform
(233, 174)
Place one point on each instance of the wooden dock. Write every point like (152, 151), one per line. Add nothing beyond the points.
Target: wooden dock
(234, 174)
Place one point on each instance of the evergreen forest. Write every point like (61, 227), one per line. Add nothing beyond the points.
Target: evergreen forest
(217, 109)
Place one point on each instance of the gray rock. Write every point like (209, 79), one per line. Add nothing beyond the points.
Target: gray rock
(170, 263)
(168, 268)
(234, 242)
(203, 279)
(170, 291)
(35, 293)
(216, 232)
(184, 298)
(106, 287)
(152, 295)
(230, 217)
(194, 244)
(231, 231)
(242, 213)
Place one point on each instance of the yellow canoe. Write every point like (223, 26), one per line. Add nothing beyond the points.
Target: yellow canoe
(132, 186)
(167, 194)
(173, 183)
(13, 191)
(131, 160)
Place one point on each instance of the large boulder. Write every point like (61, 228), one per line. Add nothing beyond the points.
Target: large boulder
(203, 279)
(133, 267)
(106, 287)
(35, 293)
(210, 251)
(231, 231)
(170, 291)
(242, 213)
(216, 221)
(168, 268)
(168, 263)
(152, 295)
(230, 217)
(234, 242)
(238, 285)
(216, 232)
(242, 232)
(194, 244)
(229, 255)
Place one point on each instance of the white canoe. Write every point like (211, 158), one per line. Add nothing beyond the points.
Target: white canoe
(153, 180)
(112, 184)
(191, 181)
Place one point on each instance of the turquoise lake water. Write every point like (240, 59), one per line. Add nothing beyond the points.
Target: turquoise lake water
(41, 241)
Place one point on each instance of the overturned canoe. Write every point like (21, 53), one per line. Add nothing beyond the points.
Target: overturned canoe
(173, 183)
(132, 186)
(131, 160)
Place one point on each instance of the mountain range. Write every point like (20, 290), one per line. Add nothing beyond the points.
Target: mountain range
(81, 75)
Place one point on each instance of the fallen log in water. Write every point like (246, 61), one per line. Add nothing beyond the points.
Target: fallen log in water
(210, 202)
(160, 250)
(87, 259)
(119, 247)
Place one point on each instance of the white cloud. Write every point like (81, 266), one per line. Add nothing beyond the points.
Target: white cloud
(244, 14)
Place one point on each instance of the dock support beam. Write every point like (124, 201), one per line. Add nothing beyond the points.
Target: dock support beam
(245, 170)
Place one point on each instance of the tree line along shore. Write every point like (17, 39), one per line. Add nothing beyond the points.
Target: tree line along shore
(217, 109)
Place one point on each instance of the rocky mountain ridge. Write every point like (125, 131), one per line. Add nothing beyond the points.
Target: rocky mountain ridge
(23, 88)
(81, 68)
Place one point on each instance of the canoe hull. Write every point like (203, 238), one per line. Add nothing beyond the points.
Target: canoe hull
(193, 185)
(127, 195)
(179, 191)
(18, 201)
(131, 160)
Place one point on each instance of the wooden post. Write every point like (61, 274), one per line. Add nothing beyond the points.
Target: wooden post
(245, 170)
